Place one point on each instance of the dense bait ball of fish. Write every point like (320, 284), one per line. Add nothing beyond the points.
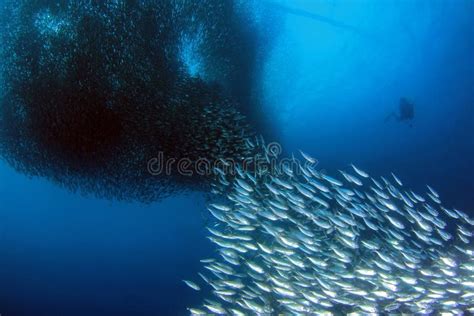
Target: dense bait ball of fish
(295, 241)
(92, 90)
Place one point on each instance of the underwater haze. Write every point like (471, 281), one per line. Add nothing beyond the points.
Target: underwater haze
(330, 84)
(332, 87)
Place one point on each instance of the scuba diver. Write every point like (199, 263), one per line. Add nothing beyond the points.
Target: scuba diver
(406, 111)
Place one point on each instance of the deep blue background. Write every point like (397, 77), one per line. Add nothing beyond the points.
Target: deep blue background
(327, 89)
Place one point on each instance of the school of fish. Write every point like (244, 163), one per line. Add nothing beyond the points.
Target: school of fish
(300, 242)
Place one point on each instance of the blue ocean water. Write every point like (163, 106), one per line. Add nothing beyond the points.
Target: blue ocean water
(330, 80)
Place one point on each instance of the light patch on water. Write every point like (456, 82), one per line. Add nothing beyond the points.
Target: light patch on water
(49, 24)
(190, 54)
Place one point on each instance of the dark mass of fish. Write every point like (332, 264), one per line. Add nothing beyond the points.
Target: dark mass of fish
(296, 241)
(92, 90)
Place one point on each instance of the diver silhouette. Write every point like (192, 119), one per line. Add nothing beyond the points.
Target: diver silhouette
(406, 111)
